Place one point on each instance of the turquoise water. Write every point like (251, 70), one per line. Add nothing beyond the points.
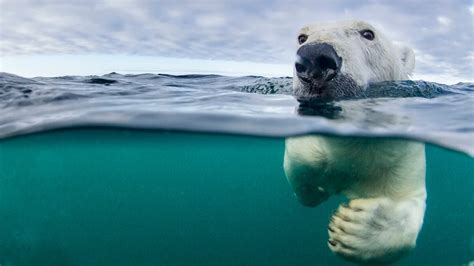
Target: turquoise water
(114, 196)
(188, 170)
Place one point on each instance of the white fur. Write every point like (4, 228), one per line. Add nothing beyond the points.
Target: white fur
(366, 61)
(384, 179)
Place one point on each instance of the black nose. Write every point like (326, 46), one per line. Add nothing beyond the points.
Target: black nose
(317, 63)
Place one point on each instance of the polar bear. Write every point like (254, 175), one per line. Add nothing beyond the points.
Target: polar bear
(384, 179)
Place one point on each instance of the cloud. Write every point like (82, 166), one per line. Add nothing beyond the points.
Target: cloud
(259, 31)
(444, 21)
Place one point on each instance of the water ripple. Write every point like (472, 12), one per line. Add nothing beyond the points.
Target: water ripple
(419, 110)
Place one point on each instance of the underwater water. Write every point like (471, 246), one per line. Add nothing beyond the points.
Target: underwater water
(136, 169)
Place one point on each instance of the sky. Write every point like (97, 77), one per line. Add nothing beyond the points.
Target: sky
(58, 37)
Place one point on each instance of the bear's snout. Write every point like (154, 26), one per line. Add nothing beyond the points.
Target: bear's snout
(317, 63)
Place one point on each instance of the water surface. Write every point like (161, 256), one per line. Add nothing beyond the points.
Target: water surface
(250, 105)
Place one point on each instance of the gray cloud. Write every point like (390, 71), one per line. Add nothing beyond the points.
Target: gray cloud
(440, 31)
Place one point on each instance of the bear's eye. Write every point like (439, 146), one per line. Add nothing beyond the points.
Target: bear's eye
(302, 38)
(368, 34)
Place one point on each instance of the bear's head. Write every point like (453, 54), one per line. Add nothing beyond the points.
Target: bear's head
(339, 59)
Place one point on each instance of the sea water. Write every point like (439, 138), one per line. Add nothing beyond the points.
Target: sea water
(187, 170)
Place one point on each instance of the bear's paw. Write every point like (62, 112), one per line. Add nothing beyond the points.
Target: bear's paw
(375, 230)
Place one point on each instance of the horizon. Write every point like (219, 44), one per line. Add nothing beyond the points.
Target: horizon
(73, 65)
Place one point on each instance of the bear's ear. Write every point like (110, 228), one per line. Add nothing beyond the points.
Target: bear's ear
(407, 55)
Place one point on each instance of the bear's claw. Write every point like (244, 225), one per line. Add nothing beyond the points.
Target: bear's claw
(372, 230)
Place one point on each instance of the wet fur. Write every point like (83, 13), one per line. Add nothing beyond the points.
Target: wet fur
(363, 61)
(384, 179)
